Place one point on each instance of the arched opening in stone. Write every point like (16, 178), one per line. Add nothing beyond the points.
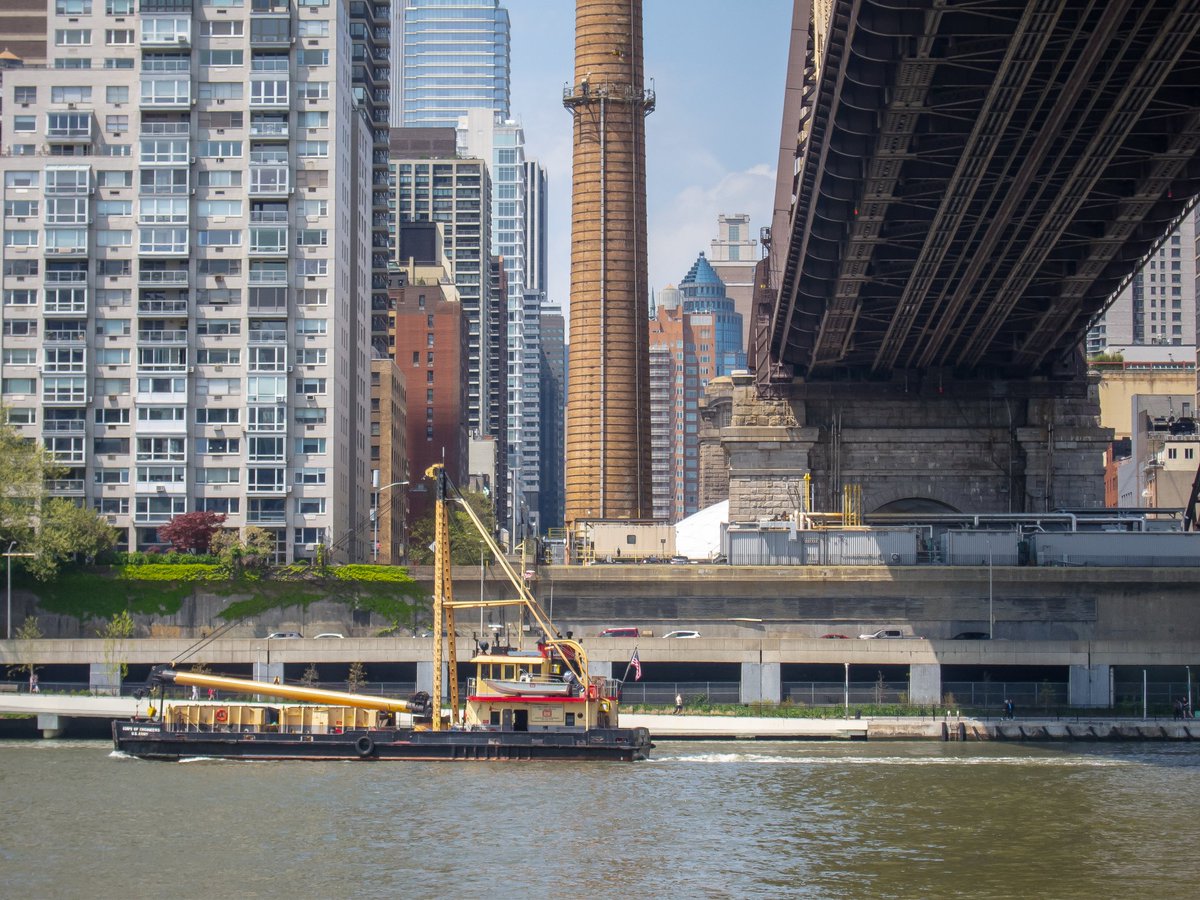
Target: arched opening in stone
(916, 506)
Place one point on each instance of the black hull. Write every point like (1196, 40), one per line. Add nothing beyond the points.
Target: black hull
(149, 741)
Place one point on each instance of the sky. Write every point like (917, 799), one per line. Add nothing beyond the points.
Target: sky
(717, 68)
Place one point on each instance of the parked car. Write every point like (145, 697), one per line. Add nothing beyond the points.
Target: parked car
(883, 633)
(682, 634)
(843, 637)
(620, 632)
(284, 635)
(330, 634)
(972, 636)
(679, 560)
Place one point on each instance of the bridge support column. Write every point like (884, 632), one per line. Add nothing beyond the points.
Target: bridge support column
(104, 678)
(268, 672)
(1089, 686)
(925, 684)
(425, 677)
(1063, 448)
(760, 683)
(767, 445)
(51, 726)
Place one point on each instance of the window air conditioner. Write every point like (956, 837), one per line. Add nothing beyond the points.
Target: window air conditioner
(312, 398)
(162, 488)
(310, 546)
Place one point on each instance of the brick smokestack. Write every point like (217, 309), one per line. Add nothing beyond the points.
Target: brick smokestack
(608, 400)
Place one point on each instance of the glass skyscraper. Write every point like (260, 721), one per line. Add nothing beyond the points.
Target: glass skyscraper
(450, 56)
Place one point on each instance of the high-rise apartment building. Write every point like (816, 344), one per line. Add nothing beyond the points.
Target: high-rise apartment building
(695, 336)
(449, 56)
(553, 408)
(734, 256)
(190, 243)
(502, 144)
(432, 183)
(1158, 306)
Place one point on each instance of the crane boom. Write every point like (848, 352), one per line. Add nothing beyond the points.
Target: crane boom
(165, 675)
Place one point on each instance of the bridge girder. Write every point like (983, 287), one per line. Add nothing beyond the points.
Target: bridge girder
(976, 181)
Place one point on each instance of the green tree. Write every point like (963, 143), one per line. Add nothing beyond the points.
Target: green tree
(55, 530)
(114, 632)
(356, 678)
(26, 652)
(253, 549)
(67, 531)
(310, 676)
(464, 539)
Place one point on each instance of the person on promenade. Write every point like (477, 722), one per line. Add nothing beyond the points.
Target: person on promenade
(1008, 709)
(1179, 708)
(33, 683)
(678, 704)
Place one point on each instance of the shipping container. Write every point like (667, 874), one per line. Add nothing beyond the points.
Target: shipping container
(1116, 549)
(979, 548)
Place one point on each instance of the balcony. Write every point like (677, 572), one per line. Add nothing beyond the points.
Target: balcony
(167, 32)
(268, 278)
(67, 278)
(68, 128)
(166, 129)
(269, 93)
(65, 336)
(163, 278)
(178, 306)
(269, 129)
(267, 336)
(64, 426)
(174, 336)
(65, 487)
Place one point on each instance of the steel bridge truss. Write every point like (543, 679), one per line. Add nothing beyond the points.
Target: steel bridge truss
(976, 180)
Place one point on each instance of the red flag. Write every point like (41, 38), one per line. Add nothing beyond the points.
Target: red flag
(636, 665)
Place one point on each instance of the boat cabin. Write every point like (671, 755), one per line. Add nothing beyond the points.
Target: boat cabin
(536, 691)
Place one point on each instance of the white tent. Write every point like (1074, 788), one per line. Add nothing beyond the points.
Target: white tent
(699, 535)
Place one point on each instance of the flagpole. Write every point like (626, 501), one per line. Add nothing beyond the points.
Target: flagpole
(629, 664)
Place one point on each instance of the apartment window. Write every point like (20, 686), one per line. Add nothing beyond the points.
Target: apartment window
(271, 92)
(72, 37)
(219, 475)
(19, 385)
(111, 238)
(311, 356)
(219, 149)
(319, 28)
(313, 119)
(221, 58)
(118, 7)
(25, 123)
(264, 449)
(313, 296)
(310, 476)
(107, 178)
(312, 326)
(312, 57)
(218, 446)
(310, 506)
(312, 237)
(26, 357)
(218, 326)
(111, 476)
(312, 90)
(312, 148)
(309, 445)
(218, 178)
(220, 90)
(310, 386)
(221, 28)
(310, 416)
(211, 415)
(309, 266)
(20, 237)
(118, 37)
(219, 238)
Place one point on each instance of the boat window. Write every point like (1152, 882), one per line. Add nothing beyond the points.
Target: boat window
(508, 673)
(495, 719)
(570, 718)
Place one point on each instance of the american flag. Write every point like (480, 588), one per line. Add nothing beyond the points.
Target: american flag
(636, 665)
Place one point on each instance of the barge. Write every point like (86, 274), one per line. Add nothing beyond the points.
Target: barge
(541, 703)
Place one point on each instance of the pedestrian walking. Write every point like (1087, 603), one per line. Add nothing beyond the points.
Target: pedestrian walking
(33, 683)
(678, 704)
(1008, 709)
(195, 692)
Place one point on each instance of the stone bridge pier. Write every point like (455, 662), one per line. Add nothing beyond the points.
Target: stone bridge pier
(920, 445)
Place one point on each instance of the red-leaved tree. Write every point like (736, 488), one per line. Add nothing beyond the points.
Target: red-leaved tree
(191, 532)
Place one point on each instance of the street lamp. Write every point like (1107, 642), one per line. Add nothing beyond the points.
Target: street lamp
(375, 510)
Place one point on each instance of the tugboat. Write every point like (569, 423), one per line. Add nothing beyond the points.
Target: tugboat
(541, 703)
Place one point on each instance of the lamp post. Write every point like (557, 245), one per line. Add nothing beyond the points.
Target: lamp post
(991, 614)
(847, 694)
(375, 511)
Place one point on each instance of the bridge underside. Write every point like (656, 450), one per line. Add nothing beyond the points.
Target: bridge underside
(976, 180)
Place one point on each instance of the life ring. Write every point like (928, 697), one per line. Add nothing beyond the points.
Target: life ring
(365, 746)
(222, 715)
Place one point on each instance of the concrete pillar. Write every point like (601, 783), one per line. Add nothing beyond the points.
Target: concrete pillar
(51, 726)
(267, 672)
(925, 684)
(760, 683)
(425, 676)
(1089, 686)
(601, 668)
(104, 678)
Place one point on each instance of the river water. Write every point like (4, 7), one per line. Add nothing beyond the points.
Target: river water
(908, 820)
